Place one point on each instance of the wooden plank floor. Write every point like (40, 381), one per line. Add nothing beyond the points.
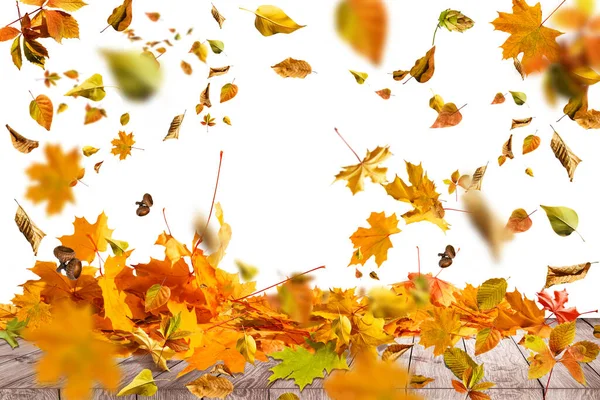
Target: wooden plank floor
(506, 365)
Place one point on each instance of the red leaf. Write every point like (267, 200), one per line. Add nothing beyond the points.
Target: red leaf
(556, 305)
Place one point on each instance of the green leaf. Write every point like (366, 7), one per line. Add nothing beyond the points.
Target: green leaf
(118, 246)
(303, 366)
(216, 46)
(360, 77)
(457, 361)
(563, 220)
(143, 384)
(12, 332)
(519, 97)
(138, 76)
(491, 293)
(92, 88)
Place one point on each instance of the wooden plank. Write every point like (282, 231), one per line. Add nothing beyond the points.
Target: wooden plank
(437, 394)
(504, 365)
(100, 394)
(184, 394)
(132, 366)
(18, 367)
(306, 394)
(422, 362)
(573, 394)
(38, 394)
(585, 331)
(10, 354)
(495, 394)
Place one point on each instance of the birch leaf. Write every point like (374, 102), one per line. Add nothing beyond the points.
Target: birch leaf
(292, 68)
(564, 154)
(563, 220)
(62, 107)
(519, 123)
(20, 142)
(29, 229)
(271, 20)
(42, 111)
(143, 384)
(519, 97)
(174, 127)
(218, 71)
(216, 46)
(360, 77)
(92, 88)
(157, 296)
(530, 143)
(519, 221)
(560, 275)
(200, 50)
(124, 120)
(217, 16)
(499, 99)
(228, 92)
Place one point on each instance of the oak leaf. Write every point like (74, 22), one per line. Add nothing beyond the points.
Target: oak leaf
(374, 241)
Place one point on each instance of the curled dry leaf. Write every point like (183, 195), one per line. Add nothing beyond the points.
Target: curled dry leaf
(42, 111)
(384, 93)
(399, 75)
(288, 396)
(186, 68)
(217, 16)
(529, 172)
(424, 67)
(97, 166)
(93, 114)
(227, 120)
(477, 179)
(292, 68)
(394, 351)
(360, 77)
(519, 221)
(572, 273)
(520, 123)
(89, 150)
(507, 148)
(530, 143)
(246, 345)
(205, 97)
(210, 386)
(419, 381)
(218, 71)
(62, 107)
(29, 229)
(564, 154)
(120, 19)
(228, 92)
(373, 275)
(499, 99)
(368, 168)
(174, 127)
(20, 142)
(589, 119)
(363, 24)
(271, 20)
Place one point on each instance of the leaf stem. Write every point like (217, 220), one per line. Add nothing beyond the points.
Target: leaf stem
(435, 33)
(26, 14)
(419, 260)
(455, 209)
(547, 384)
(552, 13)
(166, 222)
(344, 140)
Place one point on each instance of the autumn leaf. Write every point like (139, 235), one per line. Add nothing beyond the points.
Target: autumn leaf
(520, 123)
(527, 36)
(93, 114)
(564, 220)
(363, 24)
(186, 68)
(160, 354)
(572, 273)
(523, 313)
(20, 142)
(62, 353)
(205, 96)
(174, 127)
(424, 67)
(120, 19)
(200, 50)
(92, 88)
(374, 241)
(228, 92)
(491, 293)
(543, 361)
(457, 361)
(153, 16)
(88, 238)
(499, 98)
(519, 98)
(50, 78)
(54, 178)
(360, 77)
(115, 306)
(442, 331)
(368, 334)
(556, 305)
(448, 114)
(530, 143)
(217, 16)
(12, 331)
(42, 111)
(157, 296)
(210, 386)
(60, 25)
(292, 68)
(369, 167)
(143, 384)
(246, 345)
(122, 145)
(384, 93)
(271, 20)
(216, 46)
(564, 154)
(29, 229)
(519, 221)
(214, 71)
(138, 77)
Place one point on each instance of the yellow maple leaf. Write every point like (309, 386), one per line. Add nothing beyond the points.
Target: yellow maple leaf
(188, 323)
(367, 168)
(442, 331)
(421, 195)
(31, 306)
(217, 345)
(160, 354)
(368, 334)
(54, 179)
(88, 238)
(72, 349)
(122, 145)
(374, 241)
(115, 307)
(527, 36)
(174, 249)
(542, 361)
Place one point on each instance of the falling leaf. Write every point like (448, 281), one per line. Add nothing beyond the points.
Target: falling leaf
(454, 21)
(246, 345)
(395, 351)
(369, 167)
(507, 148)
(93, 114)
(138, 77)
(153, 16)
(118, 247)
(15, 52)
(498, 99)
(217, 16)
(143, 384)
(8, 33)
(556, 305)
(21, 143)
(520, 123)
(519, 97)
(519, 221)
(227, 120)
(50, 79)
(384, 93)
(62, 107)
(228, 92)
(530, 143)
(360, 77)
(441, 331)
(120, 19)
(491, 293)
(71, 74)
(216, 46)
(92, 88)
(52, 181)
(564, 154)
(399, 75)
(186, 68)
(271, 20)
(373, 275)
(88, 238)
(486, 340)
(477, 179)
(29, 229)
(589, 120)
(208, 121)
(448, 114)
(572, 273)
(527, 36)
(42, 111)
(200, 50)
(563, 220)
(89, 150)
(124, 120)
(210, 386)
(97, 166)
(374, 241)
(122, 145)
(247, 271)
(205, 96)
(292, 68)
(174, 127)
(529, 172)
(457, 361)
(424, 67)
(157, 296)
(218, 71)
(363, 24)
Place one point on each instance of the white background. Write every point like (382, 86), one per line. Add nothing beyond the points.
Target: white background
(281, 154)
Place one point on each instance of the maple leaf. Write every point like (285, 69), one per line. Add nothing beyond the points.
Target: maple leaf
(115, 307)
(374, 241)
(367, 334)
(441, 292)
(523, 313)
(54, 178)
(12, 331)
(56, 286)
(304, 366)
(421, 195)
(87, 239)
(160, 354)
(442, 331)
(556, 305)
(174, 250)
(187, 323)
(527, 36)
(122, 145)
(217, 345)
(82, 355)
(31, 307)
(368, 168)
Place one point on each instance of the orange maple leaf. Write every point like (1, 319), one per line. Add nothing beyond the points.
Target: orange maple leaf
(115, 307)
(54, 179)
(374, 241)
(31, 306)
(72, 349)
(88, 238)
(57, 286)
(442, 331)
(122, 145)
(527, 36)
(217, 345)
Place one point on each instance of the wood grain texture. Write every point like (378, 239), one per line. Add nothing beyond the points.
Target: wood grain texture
(585, 331)
(37, 394)
(573, 394)
(306, 394)
(504, 365)
(422, 362)
(495, 394)
(18, 368)
(184, 394)
(7, 353)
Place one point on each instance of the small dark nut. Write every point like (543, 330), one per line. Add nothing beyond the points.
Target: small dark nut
(73, 269)
(142, 211)
(445, 262)
(147, 199)
(64, 254)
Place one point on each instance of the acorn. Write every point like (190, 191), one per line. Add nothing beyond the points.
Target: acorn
(142, 210)
(445, 262)
(64, 254)
(144, 205)
(73, 269)
(447, 256)
(147, 200)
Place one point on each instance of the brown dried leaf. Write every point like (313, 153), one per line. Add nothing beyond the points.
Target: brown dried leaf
(507, 148)
(564, 154)
(228, 92)
(218, 71)
(589, 119)
(424, 67)
(20, 142)
(572, 273)
(499, 98)
(205, 97)
(210, 386)
(29, 229)
(519, 123)
(477, 178)
(186, 68)
(519, 221)
(292, 68)
(448, 116)
(394, 351)
(174, 127)
(384, 93)
(399, 75)
(97, 166)
(419, 381)
(217, 16)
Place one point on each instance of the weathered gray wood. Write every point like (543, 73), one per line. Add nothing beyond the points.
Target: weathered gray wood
(18, 368)
(437, 394)
(8, 353)
(422, 362)
(306, 394)
(133, 365)
(495, 394)
(504, 365)
(585, 331)
(100, 394)
(184, 394)
(572, 394)
(37, 394)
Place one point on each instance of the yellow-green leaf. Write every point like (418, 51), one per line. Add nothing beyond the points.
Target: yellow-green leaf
(562, 336)
(491, 293)
(228, 92)
(143, 385)
(563, 220)
(519, 97)
(360, 77)
(216, 46)
(157, 296)
(138, 77)
(247, 347)
(271, 20)
(92, 88)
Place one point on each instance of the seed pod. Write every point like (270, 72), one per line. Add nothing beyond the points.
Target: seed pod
(142, 211)
(73, 269)
(147, 200)
(64, 254)
(445, 262)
